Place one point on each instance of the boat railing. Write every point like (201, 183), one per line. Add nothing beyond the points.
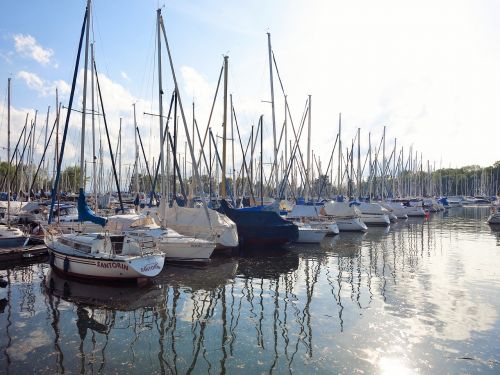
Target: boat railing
(146, 244)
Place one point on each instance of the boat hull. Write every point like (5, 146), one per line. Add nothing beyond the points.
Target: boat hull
(181, 251)
(375, 220)
(12, 242)
(415, 212)
(260, 228)
(311, 235)
(351, 225)
(105, 269)
(71, 255)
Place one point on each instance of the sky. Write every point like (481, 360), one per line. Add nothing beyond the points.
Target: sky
(427, 71)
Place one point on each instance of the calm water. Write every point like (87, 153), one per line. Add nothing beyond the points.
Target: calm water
(422, 296)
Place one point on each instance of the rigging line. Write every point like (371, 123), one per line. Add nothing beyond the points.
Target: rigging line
(68, 115)
(149, 61)
(96, 19)
(109, 142)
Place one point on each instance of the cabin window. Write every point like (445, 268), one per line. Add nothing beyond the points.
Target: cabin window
(75, 245)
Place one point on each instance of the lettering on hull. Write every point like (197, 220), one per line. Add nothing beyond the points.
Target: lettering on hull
(114, 265)
(150, 267)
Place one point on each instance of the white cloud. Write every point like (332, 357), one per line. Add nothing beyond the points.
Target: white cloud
(27, 46)
(44, 88)
(427, 72)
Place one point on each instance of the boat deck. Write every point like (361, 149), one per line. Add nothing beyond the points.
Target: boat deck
(17, 254)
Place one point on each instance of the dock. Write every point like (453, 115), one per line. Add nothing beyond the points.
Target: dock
(18, 254)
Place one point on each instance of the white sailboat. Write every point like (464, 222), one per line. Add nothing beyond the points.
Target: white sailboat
(347, 217)
(193, 222)
(311, 215)
(175, 247)
(310, 234)
(9, 236)
(103, 256)
(415, 209)
(374, 214)
(97, 255)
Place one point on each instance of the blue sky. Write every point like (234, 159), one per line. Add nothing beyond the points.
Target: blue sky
(427, 71)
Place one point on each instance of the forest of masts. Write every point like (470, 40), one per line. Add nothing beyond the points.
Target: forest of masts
(384, 170)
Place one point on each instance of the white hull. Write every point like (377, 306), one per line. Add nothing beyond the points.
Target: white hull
(89, 256)
(397, 209)
(308, 234)
(11, 237)
(331, 227)
(224, 237)
(373, 219)
(193, 222)
(351, 224)
(184, 249)
(415, 211)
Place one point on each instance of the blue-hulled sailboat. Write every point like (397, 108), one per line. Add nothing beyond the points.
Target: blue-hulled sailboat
(260, 227)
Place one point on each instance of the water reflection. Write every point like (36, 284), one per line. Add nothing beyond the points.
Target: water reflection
(416, 296)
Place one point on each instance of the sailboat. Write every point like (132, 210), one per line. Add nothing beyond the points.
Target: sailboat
(9, 236)
(260, 227)
(256, 225)
(193, 222)
(97, 255)
(374, 214)
(311, 215)
(175, 247)
(346, 215)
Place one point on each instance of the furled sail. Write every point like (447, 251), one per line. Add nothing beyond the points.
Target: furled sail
(86, 214)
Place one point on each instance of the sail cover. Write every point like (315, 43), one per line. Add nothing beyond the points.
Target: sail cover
(86, 214)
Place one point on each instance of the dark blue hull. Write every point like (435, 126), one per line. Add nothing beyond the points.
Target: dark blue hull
(262, 228)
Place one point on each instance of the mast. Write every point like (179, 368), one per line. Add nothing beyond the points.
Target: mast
(261, 165)
(31, 150)
(272, 111)
(120, 154)
(232, 151)
(308, 151)
(383, 166)
(94, 158)
(394, 170)
(359, 163)
(286, 150)
(223, 192)
(45, 145)
(136, 155)
(339, 177)
(371, 166)
(160, 106)
(8, 152)
(56, 148)
(190, 144)
(251, 158)
(84, 104)
(194, 149)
